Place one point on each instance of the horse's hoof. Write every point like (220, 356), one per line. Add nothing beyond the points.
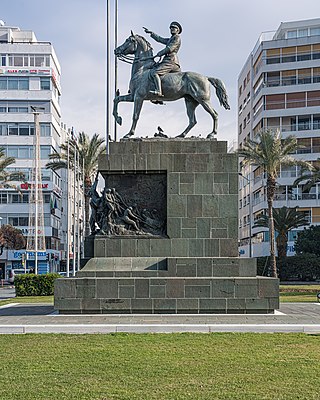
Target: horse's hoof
(128, 135)
(119, 120)
(211, 135)
(181, 136)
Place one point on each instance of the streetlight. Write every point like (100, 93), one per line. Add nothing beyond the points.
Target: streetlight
(37, 175)
(250, 213)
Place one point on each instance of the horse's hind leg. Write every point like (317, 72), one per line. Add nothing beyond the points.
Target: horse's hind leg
(208, 107)
(191, 106)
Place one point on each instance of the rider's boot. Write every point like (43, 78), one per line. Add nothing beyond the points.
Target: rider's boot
(157, 84)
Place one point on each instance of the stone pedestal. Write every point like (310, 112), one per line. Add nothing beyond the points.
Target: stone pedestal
(193, 265)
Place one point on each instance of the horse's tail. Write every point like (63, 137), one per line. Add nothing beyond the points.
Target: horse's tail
(220, 91)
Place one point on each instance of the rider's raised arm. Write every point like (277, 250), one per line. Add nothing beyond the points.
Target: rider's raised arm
(159, 39)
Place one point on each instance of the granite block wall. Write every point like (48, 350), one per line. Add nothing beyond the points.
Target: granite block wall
(202, 204)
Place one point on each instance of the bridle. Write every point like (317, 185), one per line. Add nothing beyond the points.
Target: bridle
(130, 59)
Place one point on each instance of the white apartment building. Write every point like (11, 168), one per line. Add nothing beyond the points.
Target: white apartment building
(279, 88)
(30, 77)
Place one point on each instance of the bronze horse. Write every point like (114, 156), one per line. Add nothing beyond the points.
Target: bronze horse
(193, 87)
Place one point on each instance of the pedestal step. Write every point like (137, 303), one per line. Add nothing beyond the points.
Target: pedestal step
(168, 267)
(166, 295)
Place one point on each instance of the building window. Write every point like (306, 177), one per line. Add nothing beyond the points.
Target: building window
(45, 83)
(304, 76)
(24, 129)
(275, 101)
(316, 122)
(18, 221)
(18, 198)
(315, 31)
(304, 122)
(46, 175)
(288, 54)
(46, 198)
(302, 33)
(45, 151)
(273, 56)
(289, 77)
(14, 221)
(292, 34)
(295, 100)
(273, 79)
(313, 98)
(304, 53)
(45, 130)
(28, 60)
(3, 198)
(11, 83)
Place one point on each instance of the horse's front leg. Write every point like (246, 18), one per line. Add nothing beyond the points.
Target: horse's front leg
(138, 101)
(116, 101)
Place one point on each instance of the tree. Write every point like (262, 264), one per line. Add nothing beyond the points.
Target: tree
(308, 241)
(11, 238)
(5, 162)
(269, 151)
(89, 150)
(310, 178)
(285, 219)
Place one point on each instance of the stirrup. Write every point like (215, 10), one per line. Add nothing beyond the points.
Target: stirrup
(156, 93)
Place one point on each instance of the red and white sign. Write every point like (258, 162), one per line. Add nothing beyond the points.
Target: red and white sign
(27, 185)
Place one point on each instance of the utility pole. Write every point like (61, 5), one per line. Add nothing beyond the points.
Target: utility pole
(68, 207)
(74, 210)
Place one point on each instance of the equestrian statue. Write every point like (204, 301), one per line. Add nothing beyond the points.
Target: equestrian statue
(164, 81)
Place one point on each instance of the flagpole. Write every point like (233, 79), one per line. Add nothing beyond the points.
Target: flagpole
(108, 76)
(115, 59)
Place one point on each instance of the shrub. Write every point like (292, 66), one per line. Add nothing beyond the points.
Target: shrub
(301, 267)
(308, 241)
(35, 285)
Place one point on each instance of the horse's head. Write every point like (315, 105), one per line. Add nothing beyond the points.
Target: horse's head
(132, 45)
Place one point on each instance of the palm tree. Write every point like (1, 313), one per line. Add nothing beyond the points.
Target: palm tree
(285, 219)
(269, 151)
(311, 178)
(6, 176)
(89, 150)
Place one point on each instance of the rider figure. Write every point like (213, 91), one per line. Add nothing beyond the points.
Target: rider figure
(170, 62)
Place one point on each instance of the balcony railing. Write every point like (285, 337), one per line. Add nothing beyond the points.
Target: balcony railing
(300, 196)
(286, 58)
(292, 80)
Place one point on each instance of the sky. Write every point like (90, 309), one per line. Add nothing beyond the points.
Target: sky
(217, 38)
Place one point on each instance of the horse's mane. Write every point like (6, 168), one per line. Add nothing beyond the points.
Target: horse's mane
(143, 39)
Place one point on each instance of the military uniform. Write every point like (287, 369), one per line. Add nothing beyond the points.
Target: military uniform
(170, 62)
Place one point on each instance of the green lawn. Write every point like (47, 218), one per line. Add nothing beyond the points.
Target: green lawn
(28, 299)
(299, 293)
(160, 367)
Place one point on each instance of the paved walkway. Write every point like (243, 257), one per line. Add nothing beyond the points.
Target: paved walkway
(7, 292)
(41, 318)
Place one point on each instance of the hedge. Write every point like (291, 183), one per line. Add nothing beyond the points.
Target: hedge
(35, 285)
(301, 267)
